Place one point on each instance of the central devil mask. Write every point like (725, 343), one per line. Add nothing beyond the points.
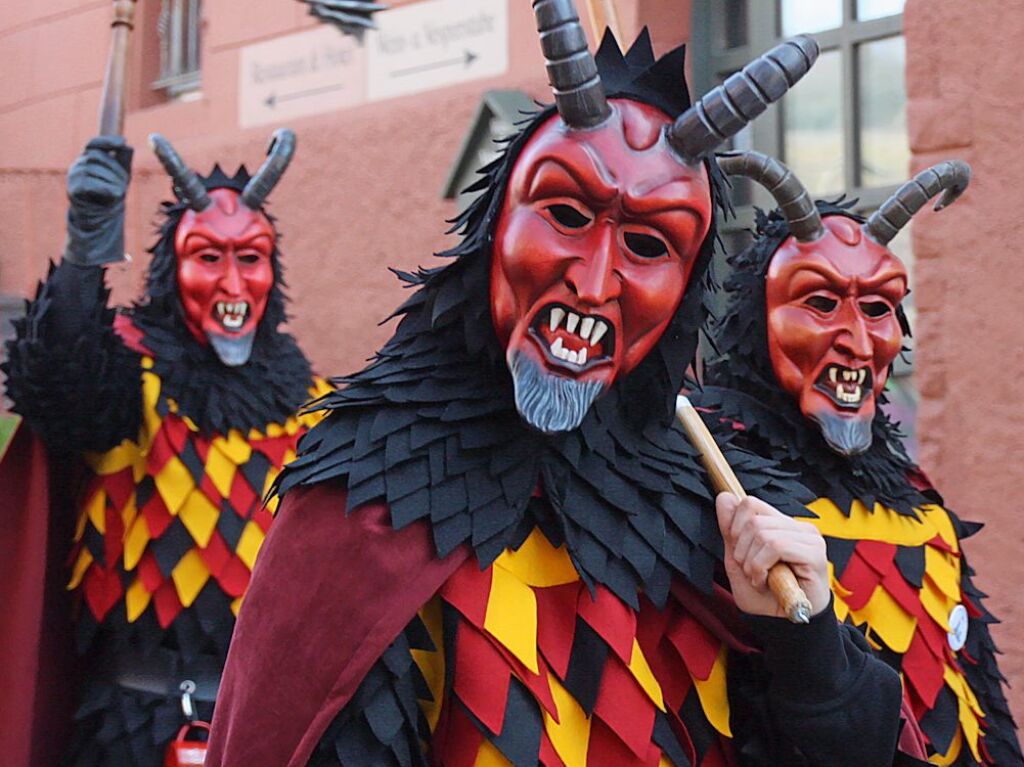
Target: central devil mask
(224, 248)
(832, 295)
(594, 247)
(606, 209)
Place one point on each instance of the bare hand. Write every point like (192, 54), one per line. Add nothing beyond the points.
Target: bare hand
(757, 536)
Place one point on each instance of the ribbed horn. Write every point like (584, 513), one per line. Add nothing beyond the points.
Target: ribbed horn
(572, 70)
(950, 177)
(279, 155)
(726, 110)
(789, 193)
(187, 186)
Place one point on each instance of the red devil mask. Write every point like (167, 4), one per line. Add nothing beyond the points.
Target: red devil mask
(595, 244)
(832, 291)
(605, 211)
(225, 272)
(833, 331)
(224, 245)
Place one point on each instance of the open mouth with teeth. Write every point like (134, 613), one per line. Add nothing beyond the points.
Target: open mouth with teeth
(231, 315)
(573, 340)
(846, 387)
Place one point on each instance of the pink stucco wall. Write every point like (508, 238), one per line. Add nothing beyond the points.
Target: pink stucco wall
(965, 84)
(364, 194)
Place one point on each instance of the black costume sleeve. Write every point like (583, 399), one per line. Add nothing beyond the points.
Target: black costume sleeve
(816, 697)
(383, 724)
(68, 373)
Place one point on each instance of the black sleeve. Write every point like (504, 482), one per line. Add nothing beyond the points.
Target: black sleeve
(68, 373)
(816, 697)
(383, 724)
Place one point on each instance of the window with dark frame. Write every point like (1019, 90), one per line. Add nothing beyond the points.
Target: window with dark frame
(842, 129)
(179, 29)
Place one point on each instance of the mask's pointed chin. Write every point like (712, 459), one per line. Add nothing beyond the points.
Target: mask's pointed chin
(233, 351)
(844, 434)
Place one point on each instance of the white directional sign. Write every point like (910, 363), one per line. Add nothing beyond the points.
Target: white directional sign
(435, 44)
(419, 47)
(298, 75)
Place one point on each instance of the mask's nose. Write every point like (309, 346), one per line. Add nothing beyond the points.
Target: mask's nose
(231, 283)
(853, 340)
(593, 278)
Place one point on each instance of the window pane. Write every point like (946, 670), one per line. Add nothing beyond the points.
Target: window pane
(876, 9)
(810, 15)
(734, 24)
(813, 127)
(884, 150)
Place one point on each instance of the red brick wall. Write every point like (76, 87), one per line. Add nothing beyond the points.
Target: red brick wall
(965, 84)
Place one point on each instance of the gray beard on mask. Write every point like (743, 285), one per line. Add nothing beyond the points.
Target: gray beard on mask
(233, 351)
(847, 436)
(550, 403)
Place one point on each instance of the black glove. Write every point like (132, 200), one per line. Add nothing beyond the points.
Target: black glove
(97, 182)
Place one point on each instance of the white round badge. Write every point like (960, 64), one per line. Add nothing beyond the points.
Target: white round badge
(957, 636)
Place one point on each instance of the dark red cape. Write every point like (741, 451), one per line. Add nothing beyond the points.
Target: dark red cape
(35, 620)
(328, 594)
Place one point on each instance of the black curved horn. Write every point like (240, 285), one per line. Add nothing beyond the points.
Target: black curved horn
(724, 111)
(572, 70)
(950, 177)
(279, 155)
(187, 186)
(790, 194)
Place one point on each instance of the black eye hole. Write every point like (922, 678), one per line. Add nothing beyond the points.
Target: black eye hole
(210, 258)
(645, 245)
(249, 258)
(823, 304)
(568, 216)
(874, 308)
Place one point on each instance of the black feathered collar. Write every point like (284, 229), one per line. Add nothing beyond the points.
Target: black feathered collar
(269, 388)
(430, 427)
(774, 427)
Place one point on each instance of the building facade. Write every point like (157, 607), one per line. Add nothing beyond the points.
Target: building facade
(389, 129)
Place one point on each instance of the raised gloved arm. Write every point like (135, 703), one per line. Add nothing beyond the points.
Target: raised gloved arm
(68, 373)
(97, 184)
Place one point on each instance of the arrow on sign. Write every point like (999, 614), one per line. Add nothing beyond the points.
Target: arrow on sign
(273, 99)
(466, 59)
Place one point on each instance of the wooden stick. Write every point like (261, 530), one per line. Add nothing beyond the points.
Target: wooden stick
(781, 581)
(603, 13)
(112, 104)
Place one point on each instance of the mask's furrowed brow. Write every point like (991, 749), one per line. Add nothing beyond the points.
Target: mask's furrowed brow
(691, 195)
(891, 278)
(571, 167)
(809, 277)
(204, 238)
(209, 235)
